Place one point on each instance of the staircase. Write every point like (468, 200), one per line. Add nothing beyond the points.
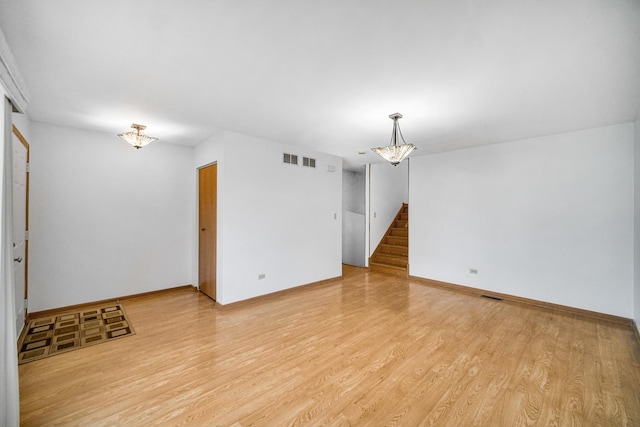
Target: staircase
(392, 254)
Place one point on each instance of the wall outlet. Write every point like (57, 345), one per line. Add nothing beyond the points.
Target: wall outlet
(262, 276)
(473, 270)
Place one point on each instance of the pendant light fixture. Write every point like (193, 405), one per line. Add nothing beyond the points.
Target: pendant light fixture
(136, 137)
(395, 153)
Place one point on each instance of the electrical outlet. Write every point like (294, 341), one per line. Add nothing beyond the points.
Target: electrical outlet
(473, 270)
(262, 276)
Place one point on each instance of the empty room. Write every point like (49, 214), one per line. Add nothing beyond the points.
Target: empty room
(244, 213)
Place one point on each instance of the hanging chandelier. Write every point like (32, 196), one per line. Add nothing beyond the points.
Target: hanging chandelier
(395, 153)
(136, 137)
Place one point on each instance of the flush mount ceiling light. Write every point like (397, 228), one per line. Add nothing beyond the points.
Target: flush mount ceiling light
(395, 153)
(136, 137)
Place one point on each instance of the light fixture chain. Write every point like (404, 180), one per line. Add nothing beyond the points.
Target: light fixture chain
(394, 133)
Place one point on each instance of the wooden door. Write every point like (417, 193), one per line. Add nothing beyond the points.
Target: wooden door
(20, 224)
(207, 214)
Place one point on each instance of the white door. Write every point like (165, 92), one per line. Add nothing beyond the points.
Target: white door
(19, 228)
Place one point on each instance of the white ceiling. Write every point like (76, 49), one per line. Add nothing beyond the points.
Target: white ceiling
(326, 74)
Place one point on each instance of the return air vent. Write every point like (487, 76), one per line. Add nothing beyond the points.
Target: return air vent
(291, 159)
(309, 162)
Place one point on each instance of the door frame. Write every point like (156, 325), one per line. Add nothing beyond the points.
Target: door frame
(23, 140)
(199, 225)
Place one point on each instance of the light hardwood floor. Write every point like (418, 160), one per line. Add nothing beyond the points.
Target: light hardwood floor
(368, 349)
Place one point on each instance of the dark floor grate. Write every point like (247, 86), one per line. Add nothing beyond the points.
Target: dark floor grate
(490, 297)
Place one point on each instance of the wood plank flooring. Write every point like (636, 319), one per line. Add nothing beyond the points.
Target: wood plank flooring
(369, 349)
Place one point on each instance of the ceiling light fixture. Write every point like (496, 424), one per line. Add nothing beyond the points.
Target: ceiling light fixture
(395, 153)
(136, 137)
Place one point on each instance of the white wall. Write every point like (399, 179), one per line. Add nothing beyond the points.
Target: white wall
(548, 218)
(278, 218)
(637, 222)
(106, 220)
(353, 239)
(354, 251)
(388, 190)
(353, 191)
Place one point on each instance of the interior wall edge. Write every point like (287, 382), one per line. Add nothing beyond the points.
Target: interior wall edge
(528, 301)
(50, 311)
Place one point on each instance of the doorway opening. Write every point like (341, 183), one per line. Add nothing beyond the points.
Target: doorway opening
(20, 158)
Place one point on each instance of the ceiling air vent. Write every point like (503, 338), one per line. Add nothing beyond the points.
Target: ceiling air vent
(309, 162)
(291, 159)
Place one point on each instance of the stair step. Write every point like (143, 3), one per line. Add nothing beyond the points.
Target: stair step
(399, 223)
(404, 216)
(392, 260)
(400, 232)
(393, 249)
(388, 269)
(395, 240)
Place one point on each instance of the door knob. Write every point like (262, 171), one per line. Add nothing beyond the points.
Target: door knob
(19, 259)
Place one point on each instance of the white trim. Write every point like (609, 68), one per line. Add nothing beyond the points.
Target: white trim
(10, 78)
(9, 391)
